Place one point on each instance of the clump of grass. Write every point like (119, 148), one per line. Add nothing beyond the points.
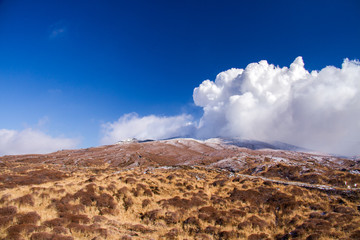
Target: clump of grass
(145, 203)
(28, 218)
(8, 211)
(56, 222)
(27, 199)
(183, 203)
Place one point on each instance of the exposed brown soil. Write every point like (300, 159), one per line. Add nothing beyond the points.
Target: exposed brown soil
(178, 189)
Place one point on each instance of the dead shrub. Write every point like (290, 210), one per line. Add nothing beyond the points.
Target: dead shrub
(25, 200)
(140, 228)
(148, 193)
(282, 171)
(21, 228)
(87, 229)
(97, 219)
(128, 202)
(6, 220)
(152, 215)
(41, 236)
(5, 198)
(33, 177)
(78, 228)
(251, 196)
(172, 234)
(171, 218)
(60, 230)
(208, 214)
(243, 225)
(105, 203)
(201, 195)
(342, 209)
(30, 218)
(222, 220)
(191, 221)
(258, 236)
(350, 227)
(312, 178)
(179, 184)
(86, 197)
(171, 177)
(44, 195)
(312, 225)
(219, 183)
(294, 190)
(191, 225)
(237, 213)
(316, 207)
(56, 222)
(313, 236)
(111, 188)
(126, 237)
(14, 236)
(122, 191)
(91, 179)
(228, 235)
(257, 222)
(315, 215)
(355, 235)
(145, 203)
(130, 180)
(268, 183)
(8, 211)
(216, 200)
(282, 202)
(202, 236)
(182, 203)
(295, 220)
(211, 230)
(155, 190)
(76, 218)
(63, 206)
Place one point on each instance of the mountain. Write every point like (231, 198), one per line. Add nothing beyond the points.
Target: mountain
(180, 189)
(255, 145)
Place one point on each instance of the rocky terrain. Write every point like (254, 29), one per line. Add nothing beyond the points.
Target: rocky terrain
(179, 189)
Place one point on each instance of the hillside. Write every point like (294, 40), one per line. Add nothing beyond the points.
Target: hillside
(179, 189)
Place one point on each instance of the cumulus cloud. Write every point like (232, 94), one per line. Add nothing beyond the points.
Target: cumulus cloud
(147, 127)
(318, 110)
(32, 141)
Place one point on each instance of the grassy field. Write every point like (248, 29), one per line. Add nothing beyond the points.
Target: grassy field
(40, 200)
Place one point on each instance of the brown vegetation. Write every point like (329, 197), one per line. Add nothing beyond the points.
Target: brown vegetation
(108, 197)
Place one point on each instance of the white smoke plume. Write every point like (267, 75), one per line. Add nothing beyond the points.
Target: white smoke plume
(318, 110)
(32, 141)
(148, 127)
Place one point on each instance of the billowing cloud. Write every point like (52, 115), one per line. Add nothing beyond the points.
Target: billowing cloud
(32, 141)
(148, 127)
(318, 110)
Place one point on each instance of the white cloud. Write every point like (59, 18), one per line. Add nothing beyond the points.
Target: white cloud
(318, 110)
(148, 127)
(32, 141)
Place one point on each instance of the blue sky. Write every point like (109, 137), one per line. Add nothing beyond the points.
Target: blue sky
(69, 67)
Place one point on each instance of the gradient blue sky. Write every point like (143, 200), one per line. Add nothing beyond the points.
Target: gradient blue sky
(66, 67)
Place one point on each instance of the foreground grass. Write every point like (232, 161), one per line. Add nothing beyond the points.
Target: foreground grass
(63, 203)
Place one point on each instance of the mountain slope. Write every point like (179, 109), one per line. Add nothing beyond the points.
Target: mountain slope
(179, 189)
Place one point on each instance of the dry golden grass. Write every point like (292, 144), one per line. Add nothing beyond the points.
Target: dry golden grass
(40, 199)
(173, 203)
